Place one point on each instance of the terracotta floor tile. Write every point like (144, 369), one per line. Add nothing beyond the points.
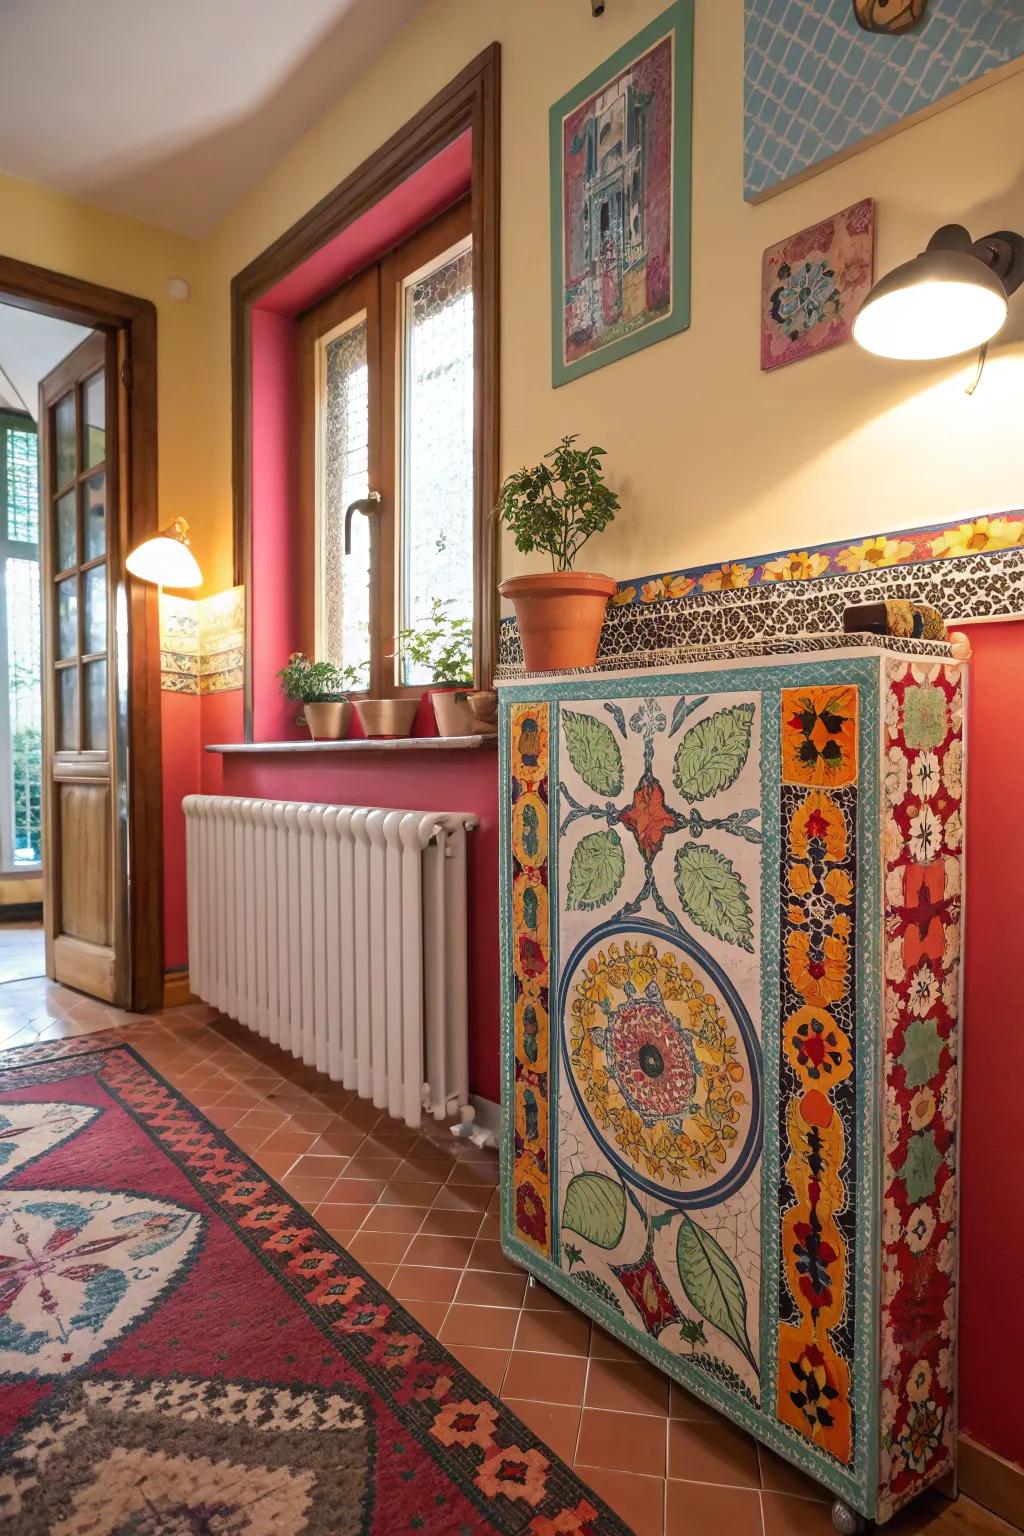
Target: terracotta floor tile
(379, 1247)
(683, 1405)
(402, 1192)
(487, 1254)
(625, 1442)
(786, 1516)
(545, 1378)
(554, 1333)
(481, 1288)
(712, 1453)
(639, 1501)
(337, 1143)
(276, 1164)
(627, 1387)
(381, 1272)
(330, 1166)
(487, 1365)
(287, 1140)
(779, 1477)
(395, 1143)
(464, 1197)
(694, 1509)
(445, 1252)
(356, 1191)
(540, 1299)
(423, 1171)
(307, 1191)
(438, 1223)
(490, 1327)
(394, 1218)
(604, 1347)
(557, 1424)
(482, 1174)
(332, 1214)
(421, 1283)
(429, 1314)
(382, 1168)
(249, 1140)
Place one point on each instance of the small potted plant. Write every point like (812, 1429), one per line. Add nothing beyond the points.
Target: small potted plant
(442, 645)
(320, 687)
(556, 507)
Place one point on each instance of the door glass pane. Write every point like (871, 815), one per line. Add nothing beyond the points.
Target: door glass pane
(437, 450)
(95, 683)
(22, 459)
(67, 709)
(21, 589)
(94, 520)
(67, 532)
(64, 430)
(95, 610)
(95, 393)
(67, 618)
(345, 428)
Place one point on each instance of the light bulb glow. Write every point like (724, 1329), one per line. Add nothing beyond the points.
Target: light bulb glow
(165, 561)
(935, 318)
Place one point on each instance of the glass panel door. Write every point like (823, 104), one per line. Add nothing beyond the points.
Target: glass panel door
(344, 441)
(20, 681)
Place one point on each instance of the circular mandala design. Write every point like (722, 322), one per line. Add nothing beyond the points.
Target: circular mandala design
(663, 1062)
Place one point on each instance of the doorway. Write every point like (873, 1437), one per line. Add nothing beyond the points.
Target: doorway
(79, 640)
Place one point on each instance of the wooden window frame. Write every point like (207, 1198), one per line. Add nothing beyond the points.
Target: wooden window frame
(132, 323)
(471, 101)
(378, 292)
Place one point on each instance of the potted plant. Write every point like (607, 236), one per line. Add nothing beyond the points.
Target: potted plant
(442, 645)
(320, 687)
(556, 507)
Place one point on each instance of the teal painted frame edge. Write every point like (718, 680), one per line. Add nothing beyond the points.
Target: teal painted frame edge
(860, 1487)
(678, 18)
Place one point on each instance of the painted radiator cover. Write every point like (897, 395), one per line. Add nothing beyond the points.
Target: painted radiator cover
(731, 915)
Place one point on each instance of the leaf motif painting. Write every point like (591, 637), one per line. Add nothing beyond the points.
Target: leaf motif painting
(712, 1283)
(714, 895)
(711, 755)
(593, 752)
(596, 872)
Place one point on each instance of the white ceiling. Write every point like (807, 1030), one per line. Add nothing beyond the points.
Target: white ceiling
(170, 112)
(31, 346)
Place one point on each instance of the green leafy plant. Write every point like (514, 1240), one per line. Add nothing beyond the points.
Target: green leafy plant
(558, 504)
(318, 682)
(442, 644)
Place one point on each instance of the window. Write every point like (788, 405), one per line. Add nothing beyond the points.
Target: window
(20, 690)
(387, 376)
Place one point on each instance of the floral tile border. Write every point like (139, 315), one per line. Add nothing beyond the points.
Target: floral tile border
(202, 642)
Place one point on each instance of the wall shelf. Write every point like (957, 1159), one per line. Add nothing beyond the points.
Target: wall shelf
(391, 744)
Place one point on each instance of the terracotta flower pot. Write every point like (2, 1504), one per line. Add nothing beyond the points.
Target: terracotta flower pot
(560, 615)
(453, 711)
(386, 717)
(327, 721)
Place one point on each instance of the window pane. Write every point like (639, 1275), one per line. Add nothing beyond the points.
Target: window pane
(95, 681)
(345, 612)
(95, 610)
(437, 448)
(67, 618)
(67, 709)
(22, 486)
(65, 435)
(67, 532)
(95, 419)
(21, 589)
(95, 524)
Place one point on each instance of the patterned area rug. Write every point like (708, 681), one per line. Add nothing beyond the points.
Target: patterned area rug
(184, 1352)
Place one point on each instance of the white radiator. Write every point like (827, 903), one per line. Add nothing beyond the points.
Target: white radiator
(339, 933)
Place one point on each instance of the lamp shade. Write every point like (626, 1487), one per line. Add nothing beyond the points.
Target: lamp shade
(941, 303)
(166, 558)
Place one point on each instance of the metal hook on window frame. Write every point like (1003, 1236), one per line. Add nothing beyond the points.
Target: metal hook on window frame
(368, 504)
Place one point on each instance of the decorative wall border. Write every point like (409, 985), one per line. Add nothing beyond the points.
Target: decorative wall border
(968, 571)
(202, 642)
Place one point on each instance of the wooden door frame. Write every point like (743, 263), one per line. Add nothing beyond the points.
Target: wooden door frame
(133, 321)
(472, 100)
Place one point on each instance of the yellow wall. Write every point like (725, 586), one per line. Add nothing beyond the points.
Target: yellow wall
(77, 240)
(712, 457)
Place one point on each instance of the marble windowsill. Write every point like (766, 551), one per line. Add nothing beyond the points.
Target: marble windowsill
(379, 744)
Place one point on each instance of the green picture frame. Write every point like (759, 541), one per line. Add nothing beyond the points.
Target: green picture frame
(620, 186)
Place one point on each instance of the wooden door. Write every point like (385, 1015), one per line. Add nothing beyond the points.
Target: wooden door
(84, 619)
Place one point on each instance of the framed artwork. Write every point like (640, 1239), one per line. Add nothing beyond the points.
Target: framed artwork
(620, 200)
(813, 284)
(824, 78)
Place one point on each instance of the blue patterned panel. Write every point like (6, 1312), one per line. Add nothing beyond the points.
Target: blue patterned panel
(816, 84)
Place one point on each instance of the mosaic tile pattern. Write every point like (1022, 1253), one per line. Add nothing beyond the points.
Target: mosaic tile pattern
(816, 84)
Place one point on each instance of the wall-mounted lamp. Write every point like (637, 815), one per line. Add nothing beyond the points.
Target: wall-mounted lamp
(949, 299)
(166, 558)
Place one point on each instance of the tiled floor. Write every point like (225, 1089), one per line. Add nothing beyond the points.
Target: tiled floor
(21, 951)
(420, 1212)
